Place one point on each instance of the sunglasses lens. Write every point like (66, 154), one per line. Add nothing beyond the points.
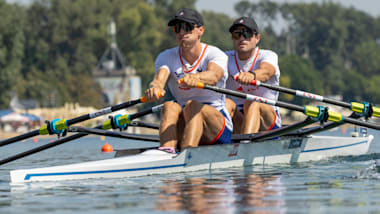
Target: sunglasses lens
(183, 25)
(187, 27)
(177, 28)
(236, 34)
(246, 33)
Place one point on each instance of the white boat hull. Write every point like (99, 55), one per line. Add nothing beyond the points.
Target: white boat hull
(282, 151)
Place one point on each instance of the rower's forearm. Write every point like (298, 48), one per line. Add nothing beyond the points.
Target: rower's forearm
(265, 72)
(209, 77)
(157, 84)
(160, 79)
(262, 75)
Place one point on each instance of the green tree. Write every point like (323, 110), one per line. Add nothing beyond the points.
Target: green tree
(299, 73)
(11, 49)
(216, 30)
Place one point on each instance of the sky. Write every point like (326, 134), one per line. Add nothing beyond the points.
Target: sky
(227, 6)
(372, 7)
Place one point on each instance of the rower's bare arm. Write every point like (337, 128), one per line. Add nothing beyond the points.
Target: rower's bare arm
(263, 74)
(157, 86)
(213, 74)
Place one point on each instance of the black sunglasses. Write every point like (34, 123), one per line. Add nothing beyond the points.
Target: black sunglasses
(246, 33)
(187, 27)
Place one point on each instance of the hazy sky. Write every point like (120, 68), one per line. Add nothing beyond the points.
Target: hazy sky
(227, 6)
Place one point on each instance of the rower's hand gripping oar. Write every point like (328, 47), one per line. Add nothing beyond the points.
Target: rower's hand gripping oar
(364, 109)
(319, 113)
(58, 126)
(125, 119)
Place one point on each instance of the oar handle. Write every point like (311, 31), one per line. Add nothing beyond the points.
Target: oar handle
(199, 84)
(144, 99)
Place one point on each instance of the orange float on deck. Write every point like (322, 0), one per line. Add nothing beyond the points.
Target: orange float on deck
(107, 148)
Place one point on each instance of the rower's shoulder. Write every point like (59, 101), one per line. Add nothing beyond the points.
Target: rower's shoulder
(169, 52)
(267, 52)
(213, 48)
(230, 53)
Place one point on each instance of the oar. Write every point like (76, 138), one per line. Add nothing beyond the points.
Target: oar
(144, 125)
(364, 108)
(57, 126)
(319, 113)
(142, 137)
(273, 133)
(122, 120)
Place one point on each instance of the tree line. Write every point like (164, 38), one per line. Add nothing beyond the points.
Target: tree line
(49, 48)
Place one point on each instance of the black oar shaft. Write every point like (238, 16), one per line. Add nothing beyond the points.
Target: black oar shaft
(306, 95)
(19, 138)
(41, 148)
(361, 123)
(102, 112)
(255, 98)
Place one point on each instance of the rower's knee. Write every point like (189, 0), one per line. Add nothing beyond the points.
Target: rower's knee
(191, 109)
(171, 110)
(231, 107)
(192, 106)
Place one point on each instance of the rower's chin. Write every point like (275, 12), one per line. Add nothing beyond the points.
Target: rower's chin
(243, 48)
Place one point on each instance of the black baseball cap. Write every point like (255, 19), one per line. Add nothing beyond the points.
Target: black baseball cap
(246, 22)
(187, 15)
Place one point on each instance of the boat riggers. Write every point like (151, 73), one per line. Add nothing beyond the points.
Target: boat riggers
(364, 109)
(58, 126)
(307, 110)
(121, 120)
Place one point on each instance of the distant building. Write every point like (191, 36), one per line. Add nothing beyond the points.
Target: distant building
(115, 77)
(24, 105)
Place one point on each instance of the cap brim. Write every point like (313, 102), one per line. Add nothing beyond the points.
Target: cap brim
(178, 19)
(236, 25)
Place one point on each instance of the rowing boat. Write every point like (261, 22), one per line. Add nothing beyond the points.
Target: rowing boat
(284, 150)
(285, 145)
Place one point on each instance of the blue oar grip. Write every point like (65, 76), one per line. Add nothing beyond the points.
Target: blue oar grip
(53, 126)
(367, 112)
(323, 114)
(116, 124)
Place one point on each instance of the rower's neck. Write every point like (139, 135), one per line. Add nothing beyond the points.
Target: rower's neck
(191, 54)
(246, 54)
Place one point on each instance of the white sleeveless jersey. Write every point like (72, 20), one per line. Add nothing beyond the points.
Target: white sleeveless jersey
(172, 60)
(235, 66)
(177, 66)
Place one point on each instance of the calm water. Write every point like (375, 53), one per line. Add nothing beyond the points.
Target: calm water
(341, 185)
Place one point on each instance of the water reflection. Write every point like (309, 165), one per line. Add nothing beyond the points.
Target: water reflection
(251, 193)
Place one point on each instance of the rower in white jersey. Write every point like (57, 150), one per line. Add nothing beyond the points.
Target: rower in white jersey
(199, 116)
(247, 62)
